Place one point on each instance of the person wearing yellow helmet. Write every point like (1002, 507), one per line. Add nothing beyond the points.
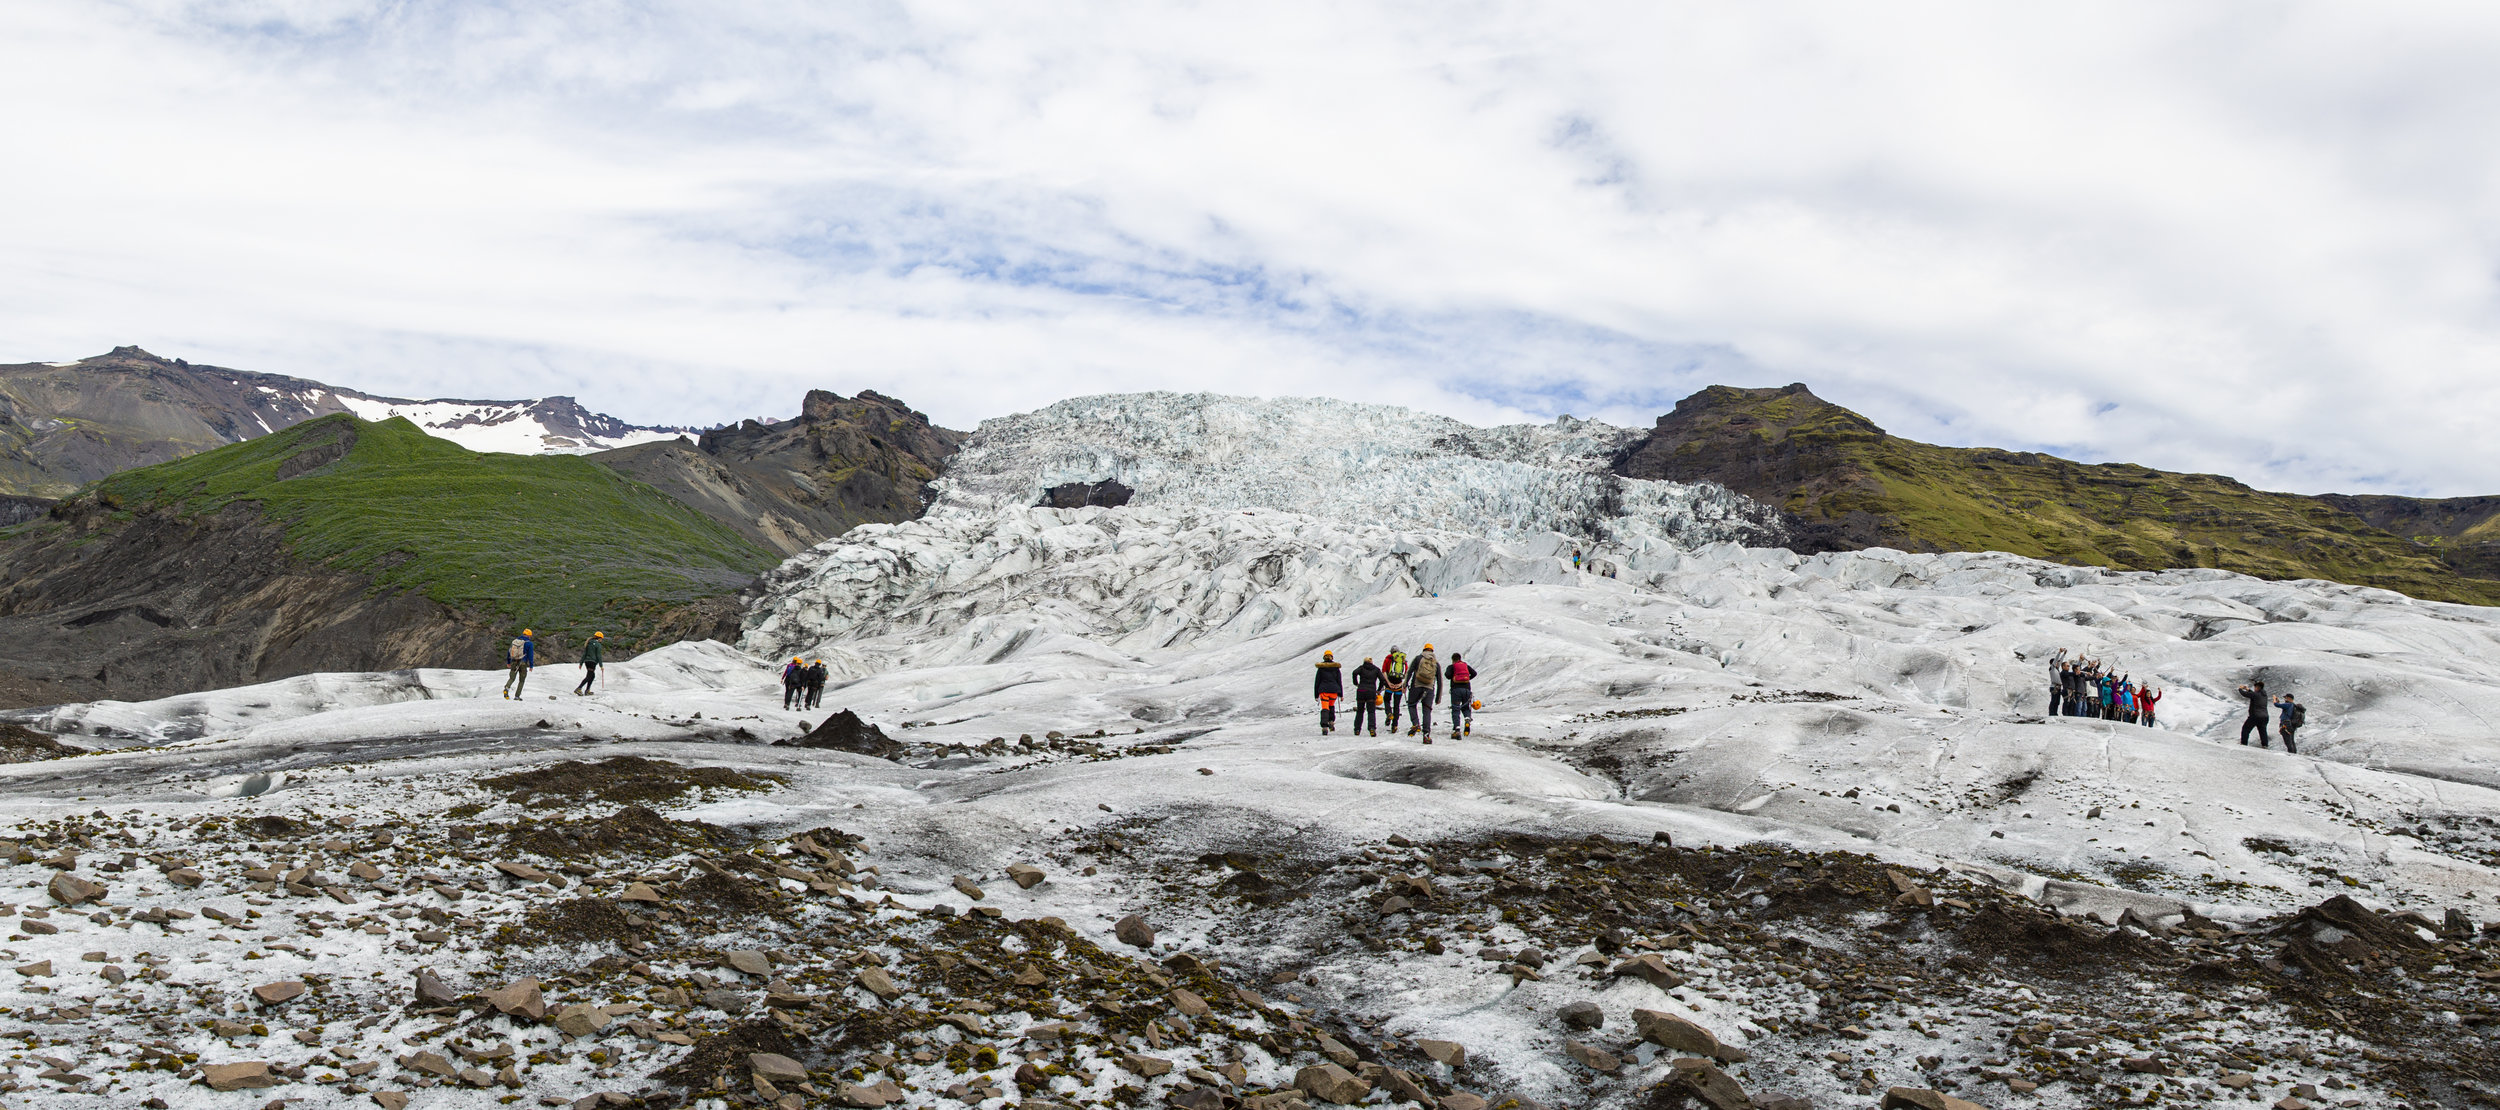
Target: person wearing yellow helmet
(814, 678)
(518, 657)
(794, 683)
(593, 653)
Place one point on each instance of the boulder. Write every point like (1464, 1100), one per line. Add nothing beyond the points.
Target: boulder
(875, 981)
(1650, 968)
(238, 1076)
(1671, 1032)
(1134, 932)
(432, 991)
(1330, 1083)
(1705, 1082)
(271, 994)
(70, 890)
(1594, 1059)
(1026, 876)
(1582, 1015)
(519, 998)
(1145, 1067)
(776, 1067)
(1451, 1053)
(747, 961)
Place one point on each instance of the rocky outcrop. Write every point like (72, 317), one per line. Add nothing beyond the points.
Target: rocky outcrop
(159, 603)
(841, 463)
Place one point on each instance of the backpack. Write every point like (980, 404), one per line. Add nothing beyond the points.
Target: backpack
(1460, 672)
(2294, 714)
(515, 653)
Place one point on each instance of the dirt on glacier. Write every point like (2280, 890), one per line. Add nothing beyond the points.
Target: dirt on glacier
(614, 956)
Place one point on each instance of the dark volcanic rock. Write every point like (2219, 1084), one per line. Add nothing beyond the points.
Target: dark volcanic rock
(843, 462)
(844, 731)
(1108, 493)
(160, 603)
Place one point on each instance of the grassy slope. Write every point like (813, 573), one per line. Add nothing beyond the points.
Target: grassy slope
(552, 541)
(2119, 515)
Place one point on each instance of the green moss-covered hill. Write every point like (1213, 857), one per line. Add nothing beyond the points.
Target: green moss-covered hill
(554, 542)
(1849, 485)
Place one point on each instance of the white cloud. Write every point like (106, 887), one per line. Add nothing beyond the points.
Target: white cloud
(2263, 233)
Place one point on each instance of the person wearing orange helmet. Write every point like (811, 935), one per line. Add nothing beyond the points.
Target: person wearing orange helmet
(814, 677)
(592, 654)
(518, 658)
(793, 683)
(1328, 685)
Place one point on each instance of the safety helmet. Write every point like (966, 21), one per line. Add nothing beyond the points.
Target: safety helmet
(1427, 647)
(598, 635)
(1328, 655)
(527, 632)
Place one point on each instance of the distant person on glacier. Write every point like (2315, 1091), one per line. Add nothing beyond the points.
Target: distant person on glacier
(2057, 683)
(2255, 696)
(1328, 686)
(592, 653)
(793, 682)
(2289, 716)
(2146, 700)
(1393, 684)
(1423, 687)
(518, 658)
(1367, 697)
(815, 677)
(1462, 697)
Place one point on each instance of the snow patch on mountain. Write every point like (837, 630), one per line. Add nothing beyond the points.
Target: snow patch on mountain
(1345, 461)
(546, 426)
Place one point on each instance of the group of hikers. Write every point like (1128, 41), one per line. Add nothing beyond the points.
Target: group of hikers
(520, 657)
(2085, 688)
(802, 683)
(1396, 679)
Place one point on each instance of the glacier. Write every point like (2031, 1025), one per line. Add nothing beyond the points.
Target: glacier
(1121, 694)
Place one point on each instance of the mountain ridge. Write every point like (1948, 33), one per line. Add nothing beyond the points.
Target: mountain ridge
(65, 424)
(1846, 484)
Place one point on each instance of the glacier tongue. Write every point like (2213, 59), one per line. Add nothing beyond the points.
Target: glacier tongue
(1343, 461)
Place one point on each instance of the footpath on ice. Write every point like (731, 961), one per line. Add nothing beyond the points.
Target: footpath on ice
(1733, 827)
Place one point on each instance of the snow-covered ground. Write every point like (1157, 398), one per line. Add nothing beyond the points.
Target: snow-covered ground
(1159, 657)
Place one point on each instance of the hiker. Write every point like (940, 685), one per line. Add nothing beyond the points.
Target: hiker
(1462, 697)
(2146, 699)
(592, 653)
(793, 682)
(1367, 697)
(2057, 683)
(1423, 686)
(2255, 696)
(2290, 716)
(518, 658)
(815, 679)
(1328, 686)
(1392, 685)
(1575, 565)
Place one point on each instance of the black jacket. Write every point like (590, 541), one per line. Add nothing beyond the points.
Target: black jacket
(1330, 680)
(2257, 703)
(1367, 680)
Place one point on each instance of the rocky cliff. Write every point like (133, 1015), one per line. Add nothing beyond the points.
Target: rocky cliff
(842, 462)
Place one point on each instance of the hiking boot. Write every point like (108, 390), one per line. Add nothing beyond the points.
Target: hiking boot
(1427, 739)
(1411, 730)
(1375, 732)
(1470, 729)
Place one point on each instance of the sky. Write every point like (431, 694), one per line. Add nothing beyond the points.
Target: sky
(2259, 239)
